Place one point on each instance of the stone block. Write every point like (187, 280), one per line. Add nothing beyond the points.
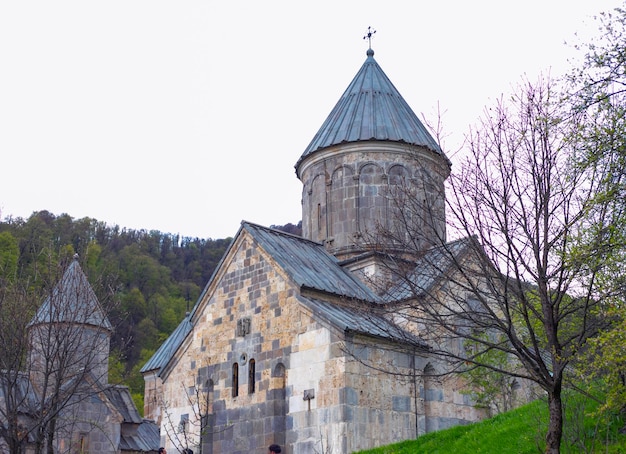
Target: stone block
(401, 403)
(348, 396)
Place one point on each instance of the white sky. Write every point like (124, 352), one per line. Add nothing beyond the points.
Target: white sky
(188, 116)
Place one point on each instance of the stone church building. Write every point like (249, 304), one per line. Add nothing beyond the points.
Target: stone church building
(285, 345)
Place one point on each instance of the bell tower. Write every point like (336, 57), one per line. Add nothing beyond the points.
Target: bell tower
(373, 177)
(69, 334)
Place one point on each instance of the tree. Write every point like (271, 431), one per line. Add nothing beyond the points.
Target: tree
(193, 430)
(515, 281)
(598, 90)
(56, 357)
(17, 306)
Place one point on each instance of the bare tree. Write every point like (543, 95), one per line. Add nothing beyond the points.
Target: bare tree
(59, 361)
(193, 430)
(515, 280)
(16, 309)
(186, 430)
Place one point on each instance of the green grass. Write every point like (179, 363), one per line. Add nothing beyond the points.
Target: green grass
(520, 431)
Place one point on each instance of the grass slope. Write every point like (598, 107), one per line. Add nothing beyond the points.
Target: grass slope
(520, 431)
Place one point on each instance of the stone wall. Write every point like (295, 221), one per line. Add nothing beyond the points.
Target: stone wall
(261, 367)
(249, 317)
(153, 390)
(88, 425)
(349, 191)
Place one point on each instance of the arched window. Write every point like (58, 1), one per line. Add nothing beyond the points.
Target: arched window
(235, 380)
(251, 373)
(430, 396)
(280, 374)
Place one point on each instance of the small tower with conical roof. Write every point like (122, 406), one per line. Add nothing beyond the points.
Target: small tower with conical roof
(373, 177)
(70, 334)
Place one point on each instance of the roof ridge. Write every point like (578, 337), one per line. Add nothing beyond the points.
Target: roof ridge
(281, 232)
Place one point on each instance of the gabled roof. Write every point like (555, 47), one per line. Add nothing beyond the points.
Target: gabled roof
(309, 264)
(146, 439)
(363, 320)
(120, 398)
(162, 356)
(73, 301)
(23, 394)
(371, 108)
(143, 435)
(428, 270)
(305, 261)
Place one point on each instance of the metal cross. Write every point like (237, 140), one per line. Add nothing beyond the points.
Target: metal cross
(368, 37)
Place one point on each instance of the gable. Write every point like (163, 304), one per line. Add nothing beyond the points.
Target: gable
(302, 264)
(309, 264)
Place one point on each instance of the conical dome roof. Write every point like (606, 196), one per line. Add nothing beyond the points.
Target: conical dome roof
(72, 301)
(371, 108)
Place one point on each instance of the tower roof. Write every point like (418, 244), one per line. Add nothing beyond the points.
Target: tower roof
(72, 301)
(371, 108)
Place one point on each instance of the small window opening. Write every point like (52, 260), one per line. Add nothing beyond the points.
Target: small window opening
(183, 424)
(83, 443)
(319, 217)
(235, 380)
(251, 374)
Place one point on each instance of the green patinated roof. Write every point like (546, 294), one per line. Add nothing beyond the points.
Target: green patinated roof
(434, 265)
(371, 108)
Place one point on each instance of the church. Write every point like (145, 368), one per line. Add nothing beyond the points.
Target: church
(62, 401)
(285, 344)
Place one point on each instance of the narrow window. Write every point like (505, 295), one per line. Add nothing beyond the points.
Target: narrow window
(319, 217)
(83, 444)
(183, 425)
(235, 380)
(251, 373)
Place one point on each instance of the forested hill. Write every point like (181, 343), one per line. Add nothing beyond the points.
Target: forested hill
(156, 277)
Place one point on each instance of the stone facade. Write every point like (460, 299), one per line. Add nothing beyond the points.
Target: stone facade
(260, 367)
(351, 191)
(285, 345)
(246, 407)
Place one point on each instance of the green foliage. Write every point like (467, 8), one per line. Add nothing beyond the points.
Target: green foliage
(518, 432)
(9, 255)
(116, 368)
(598, 94)
(138, 400)
(156, 276)
(604, 365)
(488, 385)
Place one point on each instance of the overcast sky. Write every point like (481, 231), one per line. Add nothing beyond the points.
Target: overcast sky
(188, 116)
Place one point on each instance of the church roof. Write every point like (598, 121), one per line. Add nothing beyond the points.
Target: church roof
(145, 439)
(72, 300)
(428, 270)
(143, 435)
(309, 264)
(362, 319)
(305, 261)
(23, 392)
(121, 399)
(167, 349)
(371, 108)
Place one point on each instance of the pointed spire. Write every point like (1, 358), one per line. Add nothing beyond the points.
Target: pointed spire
(371, 108)
(72, 300)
